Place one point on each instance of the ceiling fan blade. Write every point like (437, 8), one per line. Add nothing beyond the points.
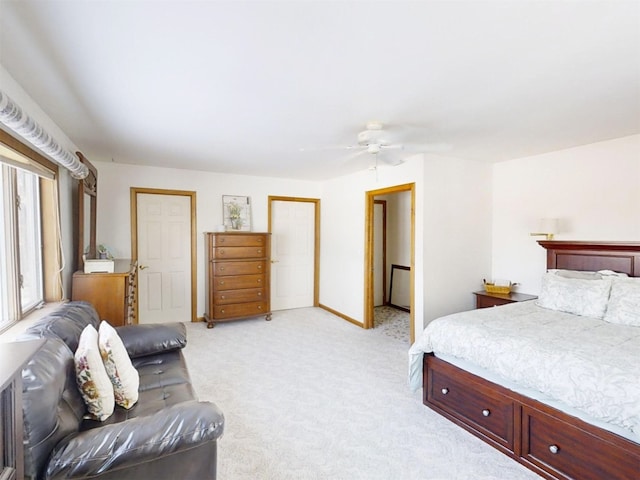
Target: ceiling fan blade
(355, 154)
(429, 147)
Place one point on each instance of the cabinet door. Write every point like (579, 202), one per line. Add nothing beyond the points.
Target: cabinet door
(106, 292)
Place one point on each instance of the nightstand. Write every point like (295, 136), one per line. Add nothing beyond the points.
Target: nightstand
(484, 299)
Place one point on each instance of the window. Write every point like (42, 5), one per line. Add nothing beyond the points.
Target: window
(21, 280)
(29, 227)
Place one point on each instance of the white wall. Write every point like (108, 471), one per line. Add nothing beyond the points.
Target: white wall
(457, 234)
(114, 219)
(594, 190)
(67, 185)
(453, 235)
(343, 232)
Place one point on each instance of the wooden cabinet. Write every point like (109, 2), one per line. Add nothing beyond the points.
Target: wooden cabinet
(485, 299)
(111, 294)
(238, 276)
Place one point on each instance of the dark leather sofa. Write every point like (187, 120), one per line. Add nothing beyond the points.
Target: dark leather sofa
(168, 434)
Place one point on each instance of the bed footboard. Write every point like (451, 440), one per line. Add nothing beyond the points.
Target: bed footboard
(547, 441)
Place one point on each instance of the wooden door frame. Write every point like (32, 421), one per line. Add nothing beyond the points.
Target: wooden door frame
(368, 254)
(384, 249)
(316, 236)
(134, 191)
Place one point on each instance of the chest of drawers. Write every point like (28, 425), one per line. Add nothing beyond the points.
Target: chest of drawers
(238, 275)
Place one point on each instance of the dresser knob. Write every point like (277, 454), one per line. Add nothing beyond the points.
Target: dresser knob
(221, 282)
(221, 268)
(445, 391)
(486, 412)
(259, 280)
(259, 267)
(259, 251)
(259, 307)
(554, 449)
(259, 294)
(221, 251)
(222, 297)
(222, 311)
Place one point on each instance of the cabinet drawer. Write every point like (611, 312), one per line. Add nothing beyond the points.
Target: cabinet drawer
(234, 283)
(235, 240)
(486, 411)
(226, 297)
(238, 268)
(238, 252)
(239, 310)
(568, 452)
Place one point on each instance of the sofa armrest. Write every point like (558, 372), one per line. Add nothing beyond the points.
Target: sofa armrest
(128, 444)
(142, 340)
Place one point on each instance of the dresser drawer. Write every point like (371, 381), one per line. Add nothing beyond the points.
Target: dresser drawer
(235, 283)
(238, 268)
(239, 310)
(567, 452)
(235, 240)
(226, 297)
(238, 252)
(486, 411)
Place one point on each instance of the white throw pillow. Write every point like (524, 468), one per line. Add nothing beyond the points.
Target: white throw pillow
(91, 376)
(575, 295)
(123, 375)
(624, 302)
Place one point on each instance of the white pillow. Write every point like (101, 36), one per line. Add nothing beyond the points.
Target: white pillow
(92, 379)
(586, 275)
(624, 302)
(123, 375)
(575, 295)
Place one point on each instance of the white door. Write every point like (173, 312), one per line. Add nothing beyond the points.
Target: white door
(292, 254)
(164, 258)
(378, 254)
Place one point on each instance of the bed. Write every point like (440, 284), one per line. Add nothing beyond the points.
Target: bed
(557, 391)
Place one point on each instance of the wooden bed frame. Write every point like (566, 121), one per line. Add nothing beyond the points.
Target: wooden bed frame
(553, 444)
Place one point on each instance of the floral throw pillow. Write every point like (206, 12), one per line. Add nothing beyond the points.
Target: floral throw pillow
(91, 376)
(123, 375)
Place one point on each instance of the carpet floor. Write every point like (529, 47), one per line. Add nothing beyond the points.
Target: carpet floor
(309, 396)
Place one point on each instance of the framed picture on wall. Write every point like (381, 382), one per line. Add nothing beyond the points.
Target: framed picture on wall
(236, 211)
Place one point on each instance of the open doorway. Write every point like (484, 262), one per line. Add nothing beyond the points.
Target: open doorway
(390, 233)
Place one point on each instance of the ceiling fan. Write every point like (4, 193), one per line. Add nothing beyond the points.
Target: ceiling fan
(376, 140)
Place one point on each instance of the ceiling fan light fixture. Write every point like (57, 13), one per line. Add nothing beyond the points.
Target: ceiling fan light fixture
(373, 148)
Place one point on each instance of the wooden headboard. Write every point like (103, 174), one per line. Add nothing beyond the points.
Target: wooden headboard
(617, 256)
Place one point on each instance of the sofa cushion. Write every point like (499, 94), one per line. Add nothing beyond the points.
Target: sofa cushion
(117, 363)
(51, 403)
(93, 382)
(142, 340)
(66, 323)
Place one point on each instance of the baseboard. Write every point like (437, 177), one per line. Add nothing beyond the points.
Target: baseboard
(341, 315)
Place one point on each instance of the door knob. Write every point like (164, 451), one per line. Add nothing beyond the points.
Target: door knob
(142, 267)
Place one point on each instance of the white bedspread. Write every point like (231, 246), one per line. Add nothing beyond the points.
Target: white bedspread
(586, 363)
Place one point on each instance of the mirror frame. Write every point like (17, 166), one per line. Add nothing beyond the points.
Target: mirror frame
(87, 186)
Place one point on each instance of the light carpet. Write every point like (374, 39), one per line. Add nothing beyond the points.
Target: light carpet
(309, 396)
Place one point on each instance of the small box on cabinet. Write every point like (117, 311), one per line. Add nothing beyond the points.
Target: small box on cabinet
(98, 266)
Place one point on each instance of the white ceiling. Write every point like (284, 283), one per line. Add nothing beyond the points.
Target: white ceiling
(241, 87)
